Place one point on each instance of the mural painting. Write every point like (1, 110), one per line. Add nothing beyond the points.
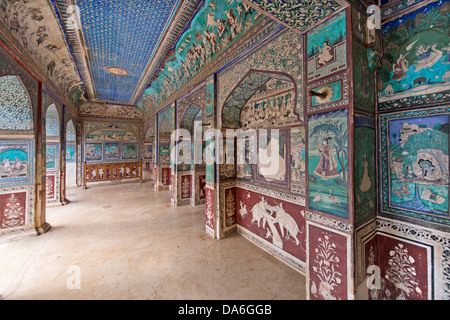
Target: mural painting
(165, 176)
(186, 185)
(164, 153)
(277, 221)
(93, 152)
(327, 47)
(276, 110)
(242, 76)
(111, 151)
(405, 270)
(328, 162)
(327, 264)
(209, 112)
(148, 151)
(416, 60)
(336, 90)
(415, 163)
(246, 151)
(216, 26)
(298, 160)
(273, 168)
(288, 11)
(52, 156)
(363, 79)
(209, 156)
(364, 166)
(129, 151)
(70, 153)
(52, 187)
(201, 186)
(15, 106)
(52, 121)
(111, 133)
(13, 208)
(166, 120)
(209, 208)
(15, 166)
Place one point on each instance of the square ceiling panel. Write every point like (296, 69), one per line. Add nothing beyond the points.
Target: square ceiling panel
(120, 39)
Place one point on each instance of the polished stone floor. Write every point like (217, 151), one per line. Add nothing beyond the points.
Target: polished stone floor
(125, 241)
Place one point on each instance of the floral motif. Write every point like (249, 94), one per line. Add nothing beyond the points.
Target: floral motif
(326, 268)
(230, 204)
(14, 213)
(402, 273)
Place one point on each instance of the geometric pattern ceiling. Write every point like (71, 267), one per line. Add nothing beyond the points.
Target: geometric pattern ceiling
(121, 34)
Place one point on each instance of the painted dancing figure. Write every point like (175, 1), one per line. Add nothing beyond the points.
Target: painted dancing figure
(327, 166)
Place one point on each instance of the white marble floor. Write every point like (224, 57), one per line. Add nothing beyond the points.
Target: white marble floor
(125, 241)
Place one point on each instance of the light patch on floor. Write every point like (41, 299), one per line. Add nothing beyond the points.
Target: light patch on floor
(135, 245)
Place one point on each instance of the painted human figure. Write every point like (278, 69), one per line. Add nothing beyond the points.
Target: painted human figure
(7, 166)
(400, 68)
(326, 53)
(327, 166)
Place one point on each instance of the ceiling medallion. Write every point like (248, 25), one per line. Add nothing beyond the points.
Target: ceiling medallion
(116, 71)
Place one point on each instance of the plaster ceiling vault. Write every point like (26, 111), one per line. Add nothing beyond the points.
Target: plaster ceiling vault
(140, 52)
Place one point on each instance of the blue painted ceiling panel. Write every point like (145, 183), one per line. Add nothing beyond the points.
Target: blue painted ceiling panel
(122, 34)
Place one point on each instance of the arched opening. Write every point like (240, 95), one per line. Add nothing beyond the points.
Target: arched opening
(16, 156)
(71, 156)
(191, 169)
(52, 154)
(269, 164)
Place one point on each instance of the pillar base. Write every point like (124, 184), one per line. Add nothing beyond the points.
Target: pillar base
(43, 229)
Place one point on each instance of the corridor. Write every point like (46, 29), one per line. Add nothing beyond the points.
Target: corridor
(125, 241)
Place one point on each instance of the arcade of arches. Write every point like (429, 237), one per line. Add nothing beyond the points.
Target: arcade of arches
(308, 139)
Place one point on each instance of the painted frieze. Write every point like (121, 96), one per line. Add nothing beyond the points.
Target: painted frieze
(277, 221)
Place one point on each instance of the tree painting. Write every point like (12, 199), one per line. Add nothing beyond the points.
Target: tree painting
(327, 162)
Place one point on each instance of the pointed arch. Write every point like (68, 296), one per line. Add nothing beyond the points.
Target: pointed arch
(52, 122)
(15, 104)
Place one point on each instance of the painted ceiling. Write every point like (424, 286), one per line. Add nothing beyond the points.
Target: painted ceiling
(120, 38)
(140, 52)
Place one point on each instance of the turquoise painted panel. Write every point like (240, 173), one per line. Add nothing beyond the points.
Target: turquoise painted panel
(416, 60)
(328, 162)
